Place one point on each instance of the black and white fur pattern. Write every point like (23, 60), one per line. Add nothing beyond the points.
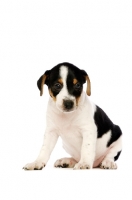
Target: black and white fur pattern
(88, 135)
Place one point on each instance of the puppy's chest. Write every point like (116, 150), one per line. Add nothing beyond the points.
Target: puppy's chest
(67, 126)
(71, 136)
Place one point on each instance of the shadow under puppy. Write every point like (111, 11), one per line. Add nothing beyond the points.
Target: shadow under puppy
(88, 135)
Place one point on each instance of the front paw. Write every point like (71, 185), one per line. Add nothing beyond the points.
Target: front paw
(82, 165)
(37, 165)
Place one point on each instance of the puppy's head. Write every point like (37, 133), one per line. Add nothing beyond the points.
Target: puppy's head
(65, 83)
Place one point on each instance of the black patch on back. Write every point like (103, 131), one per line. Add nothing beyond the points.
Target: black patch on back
(117, 156)
(116, 133)
(104, 124)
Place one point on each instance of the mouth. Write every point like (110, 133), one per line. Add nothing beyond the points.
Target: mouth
(62, 109)
(68, 111)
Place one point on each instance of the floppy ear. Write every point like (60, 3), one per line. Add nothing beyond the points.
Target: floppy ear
(86, 78)
(44, 79)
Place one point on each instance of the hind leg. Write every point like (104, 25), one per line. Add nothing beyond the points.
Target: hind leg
(65, 163)
(112, 155)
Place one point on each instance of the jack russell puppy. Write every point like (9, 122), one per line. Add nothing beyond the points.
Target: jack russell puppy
(88, 135)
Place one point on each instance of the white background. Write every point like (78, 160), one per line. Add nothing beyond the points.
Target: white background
(35, 36)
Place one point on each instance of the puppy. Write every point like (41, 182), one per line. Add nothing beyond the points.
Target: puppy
(88, 135)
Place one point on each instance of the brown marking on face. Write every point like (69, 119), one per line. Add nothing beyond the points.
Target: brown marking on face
(51, 94)
(60, 81)
(77, 100)
(75, 81)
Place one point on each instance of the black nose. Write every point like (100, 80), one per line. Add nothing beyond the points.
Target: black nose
(68, 104)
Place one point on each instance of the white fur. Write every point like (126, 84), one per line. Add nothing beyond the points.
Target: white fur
(78, 132)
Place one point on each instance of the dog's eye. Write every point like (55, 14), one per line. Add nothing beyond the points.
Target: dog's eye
(57, 86)
(77, 86)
